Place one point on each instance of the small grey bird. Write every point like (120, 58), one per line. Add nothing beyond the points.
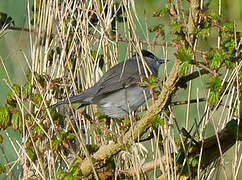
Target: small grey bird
(117, 92)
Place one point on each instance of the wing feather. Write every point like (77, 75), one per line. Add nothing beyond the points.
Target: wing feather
(118, 77)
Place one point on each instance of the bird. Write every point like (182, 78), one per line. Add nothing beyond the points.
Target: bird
(118, 93)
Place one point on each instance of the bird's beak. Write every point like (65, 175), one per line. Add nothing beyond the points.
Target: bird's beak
(160, 61)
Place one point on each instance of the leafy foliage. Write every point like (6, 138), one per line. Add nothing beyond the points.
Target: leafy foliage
(185, 55)
(5, 20)
(27, 111)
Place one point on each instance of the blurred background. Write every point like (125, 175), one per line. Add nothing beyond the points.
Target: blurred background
(15, 48)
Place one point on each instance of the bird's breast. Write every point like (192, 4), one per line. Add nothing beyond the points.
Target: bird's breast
(121, 102)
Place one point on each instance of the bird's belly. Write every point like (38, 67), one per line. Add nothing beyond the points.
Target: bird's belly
(120, 103)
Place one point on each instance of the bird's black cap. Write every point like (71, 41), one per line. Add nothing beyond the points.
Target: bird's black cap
(148, 54)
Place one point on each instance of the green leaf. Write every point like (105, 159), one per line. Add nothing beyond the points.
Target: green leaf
(69, 41)
(215, 58)
(157, 120)
(204, 33)
(100, 115)
(56, 144)
(12, 94)
(70, 136)
(184, 54)
(41, 79)
(60, 174)
(153, 81)
(70, 177)
(162, 12)
(38, 131)
(31, 153)
(59, 120)
(37, 99)
(2, 169)
(194, 161)
(228, 44)
(215, 84)
(213, 97)
(126, 121)
(240, 74)
(5, 20)
(4, 118)
(16, 121)
(228, 28)
(215, 88)
(1, 139)
(29, 120)
(184, 67)
(214, 16)
(176, 28)
(157, 27)
(28, 88)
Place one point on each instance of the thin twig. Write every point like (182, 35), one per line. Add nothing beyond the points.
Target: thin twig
(201, 65)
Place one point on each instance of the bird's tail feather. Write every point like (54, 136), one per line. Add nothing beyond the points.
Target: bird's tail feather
(83, 98)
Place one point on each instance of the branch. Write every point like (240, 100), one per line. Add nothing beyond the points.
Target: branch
(20, 29)
(112, 38)
(120, 39)
(186, 102)
(213, 147)
(227, 138)
(205, 70)
(148, 166)
(186, 78)
(211, 150)
(201, 65)
(193, 18)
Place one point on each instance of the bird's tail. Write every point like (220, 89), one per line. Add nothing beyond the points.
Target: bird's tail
(84, 98)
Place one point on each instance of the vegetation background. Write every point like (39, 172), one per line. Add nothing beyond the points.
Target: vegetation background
(13, 44)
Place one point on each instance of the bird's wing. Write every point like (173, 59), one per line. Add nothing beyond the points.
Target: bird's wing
(119, 77)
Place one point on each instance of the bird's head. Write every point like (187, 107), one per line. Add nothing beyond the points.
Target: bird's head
(152, 61)
(151, 57)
